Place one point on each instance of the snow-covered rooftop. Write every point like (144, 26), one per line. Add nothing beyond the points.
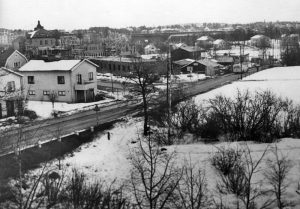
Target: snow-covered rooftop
(218, 41)
(41, 65)
(204, 38)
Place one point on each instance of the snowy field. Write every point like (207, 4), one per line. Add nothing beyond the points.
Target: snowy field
(283, 81)
(109, 159)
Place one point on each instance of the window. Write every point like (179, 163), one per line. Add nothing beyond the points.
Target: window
(60, 79)
(79, 79)
(30, 79)
(31, 92)
(91, 76)
(41, 42)
(16, 64)
(46, 42)
(46, 92)
(11, 86)
(61, 93)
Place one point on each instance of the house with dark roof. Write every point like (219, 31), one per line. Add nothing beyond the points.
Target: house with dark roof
(203, 66)
(12, 59)
(11, 92)
(66, 80)
(187, 66)
(186, 52)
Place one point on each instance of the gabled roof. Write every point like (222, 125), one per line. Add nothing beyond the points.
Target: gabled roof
(10, 71)
(218, 41)
(191, 48)
(259, 37)
(62, 65)
(208, 63)
(4, 55)
(16, 51)
(184, 62)
(205, 38)
(149, 46)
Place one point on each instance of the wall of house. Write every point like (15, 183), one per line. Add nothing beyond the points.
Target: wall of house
(47, 81)
(84, 69)
(15, 61)
(6, 77)
(36, 42)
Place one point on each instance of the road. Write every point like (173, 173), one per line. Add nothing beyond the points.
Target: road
(43, 131)
(51, 129)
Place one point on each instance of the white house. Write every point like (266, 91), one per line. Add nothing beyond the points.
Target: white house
(220, 44)
(151, 49)
(11, 92)
(66, 80)
(12, 59)
(16, 60)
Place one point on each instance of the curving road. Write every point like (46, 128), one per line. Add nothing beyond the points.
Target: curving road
(43, 131)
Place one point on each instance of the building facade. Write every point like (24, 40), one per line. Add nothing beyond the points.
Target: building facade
(66, 80)
(15, 60)
(11, 92)
(186, 52)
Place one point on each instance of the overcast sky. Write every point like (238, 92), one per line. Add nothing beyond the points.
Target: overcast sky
(76, 14)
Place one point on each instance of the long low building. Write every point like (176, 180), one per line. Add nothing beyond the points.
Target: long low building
(65, 80)
(124, 65)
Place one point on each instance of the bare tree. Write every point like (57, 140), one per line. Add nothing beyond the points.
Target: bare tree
(240, 181)
(192, 189)
(154, 176)
(52, 98)
(144, 74)
(276, 174)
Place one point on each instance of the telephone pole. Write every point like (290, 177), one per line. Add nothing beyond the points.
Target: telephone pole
(169, 69)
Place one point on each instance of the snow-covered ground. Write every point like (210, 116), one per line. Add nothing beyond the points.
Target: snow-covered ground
(44, 109)
(283, 81)
(254, 52)
(111, 77)
(191, 77)
(109, 159)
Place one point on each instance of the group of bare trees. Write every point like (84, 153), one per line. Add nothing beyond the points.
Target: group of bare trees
(50, 188)
(158, 182)
(260, 116)
(255, 181)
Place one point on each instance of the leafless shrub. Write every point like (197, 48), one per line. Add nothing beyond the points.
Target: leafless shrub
(240, 181)
(154, 176)
(187, 117)
(225, 160)
(80, 194)
(249, 117)
(291, 120)
(276, 174)
(192, 192)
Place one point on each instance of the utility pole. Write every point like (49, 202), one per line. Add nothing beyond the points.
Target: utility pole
(241, 62)
(169, 69)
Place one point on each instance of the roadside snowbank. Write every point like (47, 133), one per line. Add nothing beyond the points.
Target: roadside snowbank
(44, 109)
